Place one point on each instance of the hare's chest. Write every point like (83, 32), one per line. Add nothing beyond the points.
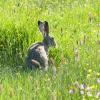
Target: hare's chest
(42, 53)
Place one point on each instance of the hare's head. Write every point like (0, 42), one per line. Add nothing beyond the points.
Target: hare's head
(44, 28)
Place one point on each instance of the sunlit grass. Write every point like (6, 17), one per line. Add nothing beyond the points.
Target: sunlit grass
(74, 71)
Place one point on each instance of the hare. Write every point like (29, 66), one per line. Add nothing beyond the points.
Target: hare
(37, 56)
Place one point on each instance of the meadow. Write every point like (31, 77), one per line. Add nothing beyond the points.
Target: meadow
(74, 65)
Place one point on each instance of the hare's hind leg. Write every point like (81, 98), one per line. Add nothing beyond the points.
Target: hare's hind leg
(36, 63)
(29, 63)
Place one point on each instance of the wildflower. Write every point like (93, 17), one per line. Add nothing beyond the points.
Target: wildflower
(98, 80)
(88, 88)
(97, 94)
(82, 86)
(71, 91)
(81, 92)
(89, 94)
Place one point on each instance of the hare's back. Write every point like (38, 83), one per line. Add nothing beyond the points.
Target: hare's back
(33, 50)
(39, 49)
(37, 52)
(35, 45)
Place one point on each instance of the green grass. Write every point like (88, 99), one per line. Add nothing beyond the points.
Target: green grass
(75, 27)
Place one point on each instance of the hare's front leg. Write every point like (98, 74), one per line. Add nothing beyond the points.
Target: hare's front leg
(46, 65)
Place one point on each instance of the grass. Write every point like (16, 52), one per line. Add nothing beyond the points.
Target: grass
(75, 73)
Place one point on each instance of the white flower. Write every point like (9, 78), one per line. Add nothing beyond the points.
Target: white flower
(81, 86)
(71, 91)
(81, 92)
(98, 80)
(88, 88)
(97, 94)
(89, 94)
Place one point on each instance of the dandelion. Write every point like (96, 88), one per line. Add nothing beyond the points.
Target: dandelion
(71, 91)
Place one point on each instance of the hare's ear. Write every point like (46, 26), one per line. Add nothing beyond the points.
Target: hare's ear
(46, 27)
(40, 25)
(43, 27)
